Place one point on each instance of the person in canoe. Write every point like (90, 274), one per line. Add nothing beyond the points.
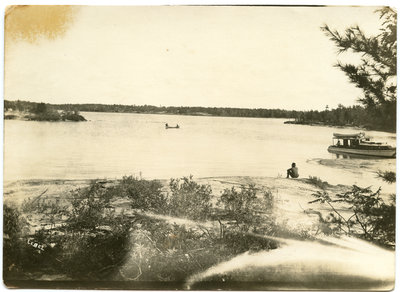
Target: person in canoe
(171, 127)
(293, 171)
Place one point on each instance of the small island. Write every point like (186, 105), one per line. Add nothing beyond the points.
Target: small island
(41, 112)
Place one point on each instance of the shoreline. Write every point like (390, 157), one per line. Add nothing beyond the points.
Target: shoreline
(322, 124)
(9, 115)
(292, 195)
(48, 116)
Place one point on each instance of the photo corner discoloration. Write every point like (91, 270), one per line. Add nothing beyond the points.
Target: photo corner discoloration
(32, 22)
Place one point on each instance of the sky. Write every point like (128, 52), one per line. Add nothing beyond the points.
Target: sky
(214, 56)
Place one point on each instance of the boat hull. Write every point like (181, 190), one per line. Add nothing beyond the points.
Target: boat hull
(387, 153)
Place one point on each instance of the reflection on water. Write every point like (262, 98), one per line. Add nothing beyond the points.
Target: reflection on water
(111, 145)
(356, 156)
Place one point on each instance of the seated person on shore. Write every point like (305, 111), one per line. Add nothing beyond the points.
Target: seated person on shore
(293, 171)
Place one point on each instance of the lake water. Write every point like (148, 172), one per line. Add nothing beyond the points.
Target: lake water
(111, 145)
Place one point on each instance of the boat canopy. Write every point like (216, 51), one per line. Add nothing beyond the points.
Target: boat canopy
(360, 135)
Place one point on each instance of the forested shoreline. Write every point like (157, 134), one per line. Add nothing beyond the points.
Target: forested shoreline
(353, 116)
(34, 111)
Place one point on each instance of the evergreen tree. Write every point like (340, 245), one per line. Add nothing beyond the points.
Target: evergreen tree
(376, 74)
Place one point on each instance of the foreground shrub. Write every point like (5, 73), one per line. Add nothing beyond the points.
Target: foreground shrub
(387, 176)
(371, 219)
(87, 207)
(88, 245)
(316, 181)
(239, 242)
(164, 252)
(144, 194)
(95, 238)
(189, 199)
(93, 255)
(240, 205)
(13, 225)
(247, 209)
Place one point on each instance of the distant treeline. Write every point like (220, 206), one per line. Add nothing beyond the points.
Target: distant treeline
(354, 116)
(378, 118)
(176, 110)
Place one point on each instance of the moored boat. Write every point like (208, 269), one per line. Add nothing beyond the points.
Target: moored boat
(359, 144)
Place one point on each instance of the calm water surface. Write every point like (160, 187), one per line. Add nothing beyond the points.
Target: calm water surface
(111, 145)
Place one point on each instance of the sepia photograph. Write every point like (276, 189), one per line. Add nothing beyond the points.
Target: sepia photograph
(199, 147)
